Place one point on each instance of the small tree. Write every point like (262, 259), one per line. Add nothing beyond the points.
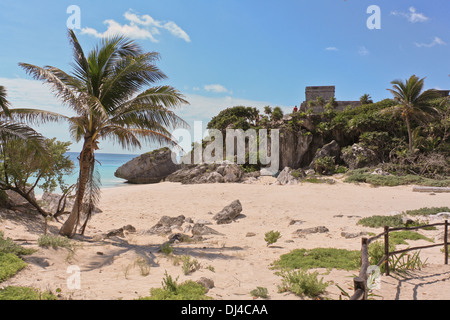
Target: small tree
(24, 167)
(277, 114)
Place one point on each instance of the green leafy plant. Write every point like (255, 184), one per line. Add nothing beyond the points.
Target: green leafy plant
(54, 241)
(272, 237)
(166, 248)
(259, 292)
(171, 290)
(320, 258)
(303, 283)
(25, 293)
(189, 266)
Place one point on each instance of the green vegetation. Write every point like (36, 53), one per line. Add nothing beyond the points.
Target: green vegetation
(377, 221)
(427, 211)
(10, 261)
(272, 237)
(412, 103)
(10, 264)
(319, 258)
(259, 292)
(55, 242)
(171, 290)
(303, 283)
(399, 237)
(25, 293)
(364, 176)
(189, 266)
(166, 248)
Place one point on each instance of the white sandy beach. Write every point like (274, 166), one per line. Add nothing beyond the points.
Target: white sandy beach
(237, 263)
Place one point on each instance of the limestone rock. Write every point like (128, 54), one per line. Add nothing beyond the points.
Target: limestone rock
(208, 173)
(202, 230)
(206, 282)
(289, 176)
(320, 229)
(149, 167)
(229, 213)
(166, 225)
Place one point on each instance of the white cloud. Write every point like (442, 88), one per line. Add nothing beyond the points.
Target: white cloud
(331, 49)
(217, 88)
(138, 27)
(362, 51)
(436, 41)
(412, 15)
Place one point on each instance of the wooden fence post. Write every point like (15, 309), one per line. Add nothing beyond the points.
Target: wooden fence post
(446, 242)
(386, 249)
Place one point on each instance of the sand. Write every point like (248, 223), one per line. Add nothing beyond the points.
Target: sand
(235, 261)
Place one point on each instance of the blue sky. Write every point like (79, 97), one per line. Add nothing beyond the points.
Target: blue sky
(221, 53)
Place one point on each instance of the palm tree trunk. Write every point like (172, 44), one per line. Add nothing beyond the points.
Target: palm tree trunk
(69, 227)
(410, 138)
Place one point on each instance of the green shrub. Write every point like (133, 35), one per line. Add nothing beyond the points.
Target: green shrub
(325, 165)
(25, 293)
(166, 248)
(259, 292)
(189, 266)
(427, 211)
(8, 246)
(272, 237)
(303, 283)
(171, 290)
(55, 242)
(10, 264)
(320, 258)
(376, 221)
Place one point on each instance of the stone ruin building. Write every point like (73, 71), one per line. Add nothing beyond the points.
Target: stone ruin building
(326, 92)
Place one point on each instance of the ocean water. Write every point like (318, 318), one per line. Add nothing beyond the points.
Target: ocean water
(107, 164)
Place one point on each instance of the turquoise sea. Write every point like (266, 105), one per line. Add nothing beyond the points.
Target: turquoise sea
(107, 164)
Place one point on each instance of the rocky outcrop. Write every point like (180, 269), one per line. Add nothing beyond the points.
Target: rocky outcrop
(225, 172)
(331, 149)
(166, 225)
(294, 146)
(229, 213)
(358, 156)
(290, 176)
(148, 168)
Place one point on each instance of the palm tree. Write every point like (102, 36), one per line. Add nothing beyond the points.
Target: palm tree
(366, 99)
(412, 102)
(106, 91)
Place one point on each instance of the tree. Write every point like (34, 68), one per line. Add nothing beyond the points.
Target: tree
(106, 90)
(366, 99)
(412, 102)
(277, 114)
(23, 167)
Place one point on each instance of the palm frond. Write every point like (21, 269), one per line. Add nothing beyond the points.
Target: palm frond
(36, 116)
(4, 103)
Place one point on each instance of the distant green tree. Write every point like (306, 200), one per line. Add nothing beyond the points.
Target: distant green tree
(366, 99)
(277, 114)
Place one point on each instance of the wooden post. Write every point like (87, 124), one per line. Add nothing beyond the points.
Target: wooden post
(446, 242)
(386, 249)
(360, 284)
